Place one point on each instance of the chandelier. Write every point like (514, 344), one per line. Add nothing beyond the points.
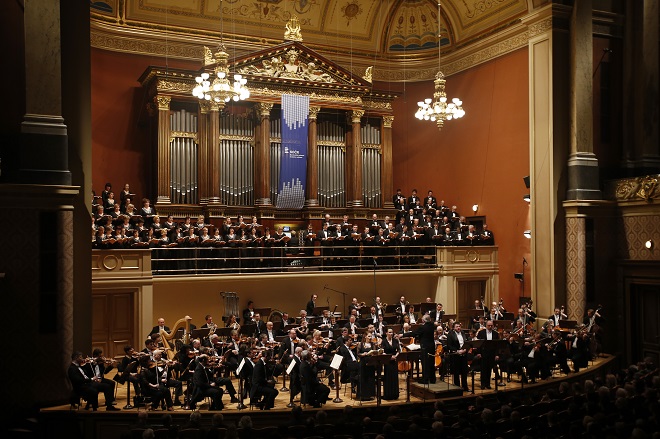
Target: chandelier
(438, 110)
(218, 87)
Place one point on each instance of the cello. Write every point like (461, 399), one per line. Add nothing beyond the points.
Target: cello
(405, 366)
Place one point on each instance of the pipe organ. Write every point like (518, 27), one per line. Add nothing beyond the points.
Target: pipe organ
(236, 160)
(183, 157)
(228, 155)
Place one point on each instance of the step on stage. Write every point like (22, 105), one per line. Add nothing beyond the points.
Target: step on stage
(440, 389)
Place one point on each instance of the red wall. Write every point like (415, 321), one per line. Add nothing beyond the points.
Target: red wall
(119, 129)
(479, 159)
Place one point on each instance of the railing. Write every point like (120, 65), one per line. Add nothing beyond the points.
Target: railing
(232, 260)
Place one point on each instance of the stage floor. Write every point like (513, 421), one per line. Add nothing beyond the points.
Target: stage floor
(440, 390)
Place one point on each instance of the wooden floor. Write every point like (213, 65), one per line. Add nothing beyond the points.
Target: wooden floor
(346, 398)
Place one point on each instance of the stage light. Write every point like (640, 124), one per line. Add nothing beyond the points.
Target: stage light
(527, 197)
(475, 207)
(528, 234)
(648, 244)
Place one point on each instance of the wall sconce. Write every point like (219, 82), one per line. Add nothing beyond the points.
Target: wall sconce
(649, 244)
(527, 198)
(528, 234)
(475, 207)
(526, 180)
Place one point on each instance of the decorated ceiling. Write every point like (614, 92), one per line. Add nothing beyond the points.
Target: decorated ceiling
(381, 30)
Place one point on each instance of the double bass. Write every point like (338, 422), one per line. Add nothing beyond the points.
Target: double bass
(405, 366)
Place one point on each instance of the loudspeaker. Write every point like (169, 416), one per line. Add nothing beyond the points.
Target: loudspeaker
(526, 180)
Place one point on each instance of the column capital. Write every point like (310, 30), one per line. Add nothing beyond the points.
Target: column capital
(314, 112)
(204, 106)
(263, 108)
(388, 121)
(217, 106)
(163, 102)
(356, 116)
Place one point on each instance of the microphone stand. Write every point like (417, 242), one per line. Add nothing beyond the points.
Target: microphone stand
(375, 291)
(337, 291)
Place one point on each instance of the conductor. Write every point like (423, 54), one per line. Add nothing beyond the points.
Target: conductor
(425, 335)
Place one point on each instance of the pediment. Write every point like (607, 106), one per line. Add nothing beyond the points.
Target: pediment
(294, 63)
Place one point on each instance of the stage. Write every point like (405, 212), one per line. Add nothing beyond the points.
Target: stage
(104, 424)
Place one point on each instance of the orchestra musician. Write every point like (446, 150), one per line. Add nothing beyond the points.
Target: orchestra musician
(294, 376)
(437, 315)
(160, 327)
(205, 386)
(352, 325)
(248, 313)
(401, 308)
(151, 385)
(349, 368)
(456, 340)
(165, 371)
(314, 393)
(412, 315)
(260, 387)
(311, 305)
(354, 306)
(260, 326)
(557, 316)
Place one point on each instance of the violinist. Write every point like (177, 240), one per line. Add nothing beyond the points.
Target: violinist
(217, 362)
(314, 392)
(232, 355)
(558, 352)
(391, 347)
(456, 340)
(352, 325)
(322, 350)
(288, 347)
(205, 385)
(260, 387)
(349, 367)
(165, 371)
(152, 386)
(86, 385)
(129, 357)
(100, 366)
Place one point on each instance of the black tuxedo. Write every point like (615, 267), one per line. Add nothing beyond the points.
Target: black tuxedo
(156, 330)
(247, 316)
(458, 362)
(203, 380)
(84, 387)
(313, 392)
(260, 386)
(260, 328)
(349, 368)
(425, 336)
(487, 357)
(310, 308)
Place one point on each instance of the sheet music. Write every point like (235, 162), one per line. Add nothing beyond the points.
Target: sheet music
(413, 347)
(290, 367)
(336, 361)
(240, 366)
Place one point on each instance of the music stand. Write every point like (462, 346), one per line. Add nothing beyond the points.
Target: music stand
(263, 312)
(378, 361)
(125, 378)
(447, 317)
(567, 324)
(318, 310)
(223, 332)
(503, 324)
(201, 333)
(248, 329)
(390, 320)
(426, 307)
(502, 349)
(412, 357)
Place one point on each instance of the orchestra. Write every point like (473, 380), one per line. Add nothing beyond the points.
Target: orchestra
(208, 367)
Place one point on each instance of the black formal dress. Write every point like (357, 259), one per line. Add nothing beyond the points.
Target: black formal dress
(391, 370)
(367, 380)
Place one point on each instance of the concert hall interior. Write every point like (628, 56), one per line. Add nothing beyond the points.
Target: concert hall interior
(557, 152)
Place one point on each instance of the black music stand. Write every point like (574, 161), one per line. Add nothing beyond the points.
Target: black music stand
(318, 310)
(413, 357)
(201, 333)
(502, 350)
(426, 307)
(125, 375)
(263, 312)
(378, 361)
(223, 332)
(248, 329)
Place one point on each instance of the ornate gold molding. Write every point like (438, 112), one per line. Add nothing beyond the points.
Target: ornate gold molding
(183, 134)
(331, 143)
(356, 116)
(237, 138)
(639, 188)
(163, 102)
(256, 93)
(387, 121)
(314, 112)
(263, 108)
(204, 107)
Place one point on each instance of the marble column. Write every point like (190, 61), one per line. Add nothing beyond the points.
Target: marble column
(214, 152)
(164, 183)
(262, 156)
(583, 181)
(312, 185)
(354, 163)
(386, 179)
(44, 157)
(203, 159)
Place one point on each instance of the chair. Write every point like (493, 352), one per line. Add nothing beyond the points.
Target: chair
(136, 433)
(190, 433)
(297, 431)
(162, 433)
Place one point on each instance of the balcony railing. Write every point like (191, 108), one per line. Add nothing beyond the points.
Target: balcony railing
(226, 260)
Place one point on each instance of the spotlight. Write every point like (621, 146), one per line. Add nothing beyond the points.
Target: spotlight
(648, 244)
(526, 180)
(527, 197)
(475, 207)
(528, 234)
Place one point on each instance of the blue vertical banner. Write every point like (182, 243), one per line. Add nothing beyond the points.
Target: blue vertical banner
(293, 164)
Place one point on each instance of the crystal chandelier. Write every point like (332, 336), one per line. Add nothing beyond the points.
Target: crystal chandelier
(438, 110)
(218, 87)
